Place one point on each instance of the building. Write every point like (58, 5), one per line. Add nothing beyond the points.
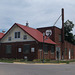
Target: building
(63, 50)
(24, 42)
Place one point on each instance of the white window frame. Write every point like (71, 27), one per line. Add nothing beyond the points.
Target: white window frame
(17, 35)
(9, 37)
(32, 49)
(19, 50)
(23, 37)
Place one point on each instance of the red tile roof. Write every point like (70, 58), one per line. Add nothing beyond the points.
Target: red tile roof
(1, 35)
(34, 33)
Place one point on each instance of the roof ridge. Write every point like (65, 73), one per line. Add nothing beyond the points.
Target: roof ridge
(26, 26)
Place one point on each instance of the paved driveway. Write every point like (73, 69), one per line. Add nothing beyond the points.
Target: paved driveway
(26, 69)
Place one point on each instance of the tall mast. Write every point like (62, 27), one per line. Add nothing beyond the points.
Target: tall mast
(62, 25)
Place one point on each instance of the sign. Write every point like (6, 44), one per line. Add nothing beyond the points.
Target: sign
(48, 33)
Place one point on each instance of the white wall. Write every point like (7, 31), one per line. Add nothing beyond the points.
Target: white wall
(12, 33)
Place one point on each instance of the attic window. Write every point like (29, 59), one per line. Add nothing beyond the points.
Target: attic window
(17, 34)
(25, 37)
(9, 38)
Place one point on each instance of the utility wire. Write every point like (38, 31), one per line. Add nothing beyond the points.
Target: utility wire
(57, 20)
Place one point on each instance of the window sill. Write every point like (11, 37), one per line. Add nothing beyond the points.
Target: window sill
(52, 53)
(45, 53)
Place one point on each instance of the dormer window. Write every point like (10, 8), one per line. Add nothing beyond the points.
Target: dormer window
(25, 37)
(17, 34)
(9, 38)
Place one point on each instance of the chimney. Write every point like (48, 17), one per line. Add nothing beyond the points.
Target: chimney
(27, 24)
(3, 31)
(62, 25)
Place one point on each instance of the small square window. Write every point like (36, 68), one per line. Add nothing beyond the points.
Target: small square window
(25, 37)
(19, 49)
(32, 49)
(9, 38)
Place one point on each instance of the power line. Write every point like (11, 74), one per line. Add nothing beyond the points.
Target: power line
(57, 20)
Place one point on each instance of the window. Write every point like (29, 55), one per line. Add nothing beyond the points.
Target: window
(19, 49)
(46, 49)
(9, 38)
(60, 37)
(17, 34)
(52, 49)
(26, 49)
(71, 52)
(25, 37)
(8, 49)
(32, 49)
(65, 51)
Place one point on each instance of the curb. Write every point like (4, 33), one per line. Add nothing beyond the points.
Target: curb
(40, 63)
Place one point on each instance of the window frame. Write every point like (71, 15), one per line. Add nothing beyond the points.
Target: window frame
(52, 47)
(10, 52)
(45, 47)
(9, 38)
(60, 39)
(24, 37)
(65, 51)
(29, 48)
(17, 34)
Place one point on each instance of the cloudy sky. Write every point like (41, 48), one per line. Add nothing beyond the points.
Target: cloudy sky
(39, 13)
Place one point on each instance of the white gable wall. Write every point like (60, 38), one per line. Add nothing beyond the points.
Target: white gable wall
(12, 35)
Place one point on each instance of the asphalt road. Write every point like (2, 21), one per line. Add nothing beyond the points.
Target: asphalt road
(30, 69)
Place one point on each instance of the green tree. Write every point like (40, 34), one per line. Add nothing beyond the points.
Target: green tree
(68, 28)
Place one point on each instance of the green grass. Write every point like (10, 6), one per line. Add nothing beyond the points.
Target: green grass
(7, 60)
(35, 61)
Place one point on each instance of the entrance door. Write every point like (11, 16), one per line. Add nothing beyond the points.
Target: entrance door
(58, 53)
(69, 54)
(19, 52)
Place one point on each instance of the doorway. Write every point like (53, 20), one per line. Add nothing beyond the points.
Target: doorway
(58, 53)
(69, 54)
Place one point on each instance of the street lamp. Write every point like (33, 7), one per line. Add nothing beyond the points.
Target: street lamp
(46, 34)
(40, 54)
(43, 46)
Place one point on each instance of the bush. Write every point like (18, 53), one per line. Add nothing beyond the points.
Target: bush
(41, 60)
(36, 60)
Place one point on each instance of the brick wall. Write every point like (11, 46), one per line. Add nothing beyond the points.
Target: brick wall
(55, 37)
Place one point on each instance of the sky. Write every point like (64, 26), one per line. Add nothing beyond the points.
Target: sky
(38, 13)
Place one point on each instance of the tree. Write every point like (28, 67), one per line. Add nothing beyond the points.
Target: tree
(68, 28)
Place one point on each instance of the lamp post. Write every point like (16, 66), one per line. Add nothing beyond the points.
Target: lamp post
(40, 53)
(48, 33)
(43, 46)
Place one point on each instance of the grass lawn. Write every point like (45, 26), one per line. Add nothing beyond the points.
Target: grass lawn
(35, 61)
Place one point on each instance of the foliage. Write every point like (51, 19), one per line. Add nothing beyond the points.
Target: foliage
(68, 28)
